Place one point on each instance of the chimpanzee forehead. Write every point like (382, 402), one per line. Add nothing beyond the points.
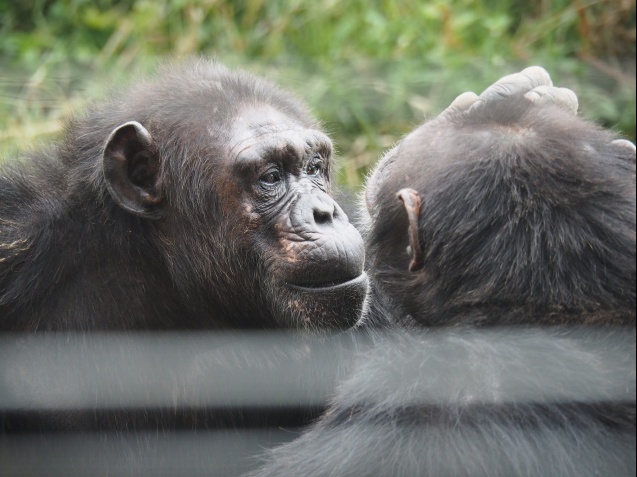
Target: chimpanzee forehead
(257, 119)
(259, 131)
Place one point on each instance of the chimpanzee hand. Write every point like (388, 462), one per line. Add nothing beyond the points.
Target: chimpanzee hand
(534, 81)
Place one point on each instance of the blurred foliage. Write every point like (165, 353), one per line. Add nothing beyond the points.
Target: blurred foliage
(370, 69)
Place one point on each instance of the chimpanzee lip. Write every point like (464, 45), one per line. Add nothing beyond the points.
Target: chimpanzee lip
(330, 286)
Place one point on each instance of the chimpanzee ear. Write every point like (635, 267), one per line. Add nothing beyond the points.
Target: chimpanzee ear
(412, 201)
(131, 170)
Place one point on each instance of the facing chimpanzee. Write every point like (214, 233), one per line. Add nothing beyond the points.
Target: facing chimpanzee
(199, 199)
(508, 215)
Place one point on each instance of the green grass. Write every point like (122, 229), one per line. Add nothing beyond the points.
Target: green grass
(371, 70)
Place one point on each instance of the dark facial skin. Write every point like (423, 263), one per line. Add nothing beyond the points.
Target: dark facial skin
(278, 181)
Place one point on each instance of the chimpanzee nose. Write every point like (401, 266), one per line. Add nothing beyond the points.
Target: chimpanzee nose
(317, 209)
(324, 209)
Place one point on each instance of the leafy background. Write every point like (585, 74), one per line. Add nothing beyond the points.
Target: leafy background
(370, 69)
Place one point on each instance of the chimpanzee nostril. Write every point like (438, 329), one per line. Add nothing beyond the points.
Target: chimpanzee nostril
(322, 215)
(324, 210)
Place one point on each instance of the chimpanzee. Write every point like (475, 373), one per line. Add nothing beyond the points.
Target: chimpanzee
(502, 237)
(198, 199)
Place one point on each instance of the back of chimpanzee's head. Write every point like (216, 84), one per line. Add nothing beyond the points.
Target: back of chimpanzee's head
(508, 213)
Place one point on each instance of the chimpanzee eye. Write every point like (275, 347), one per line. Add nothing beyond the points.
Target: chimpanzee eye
(314, 168)
(271, 177)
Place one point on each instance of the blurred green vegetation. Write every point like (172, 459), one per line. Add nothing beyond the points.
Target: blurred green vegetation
(370, 69)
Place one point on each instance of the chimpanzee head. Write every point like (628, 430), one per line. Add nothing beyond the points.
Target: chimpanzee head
(232, 179)
(508, 206)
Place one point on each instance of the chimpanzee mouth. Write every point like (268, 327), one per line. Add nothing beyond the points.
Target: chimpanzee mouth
(330, 286)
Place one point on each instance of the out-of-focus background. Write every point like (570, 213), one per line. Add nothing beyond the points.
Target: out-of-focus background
(370, 69)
